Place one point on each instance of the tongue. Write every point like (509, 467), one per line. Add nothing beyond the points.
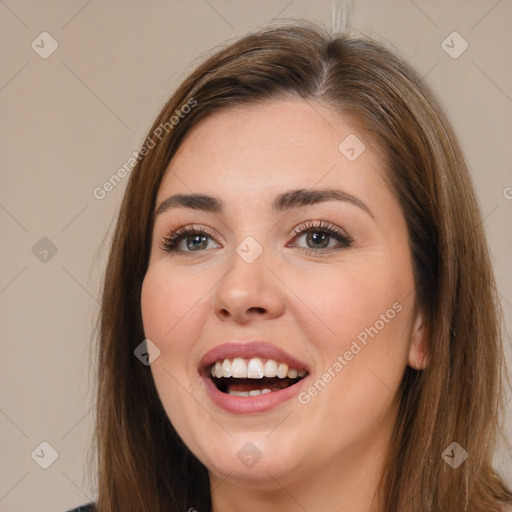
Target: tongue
(265, 383)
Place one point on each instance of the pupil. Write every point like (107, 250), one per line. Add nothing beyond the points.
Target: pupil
(203, 242)
(323, 238)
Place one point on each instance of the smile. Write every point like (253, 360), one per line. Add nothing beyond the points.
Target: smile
(252, 377)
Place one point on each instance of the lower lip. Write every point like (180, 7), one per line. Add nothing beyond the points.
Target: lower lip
(250, 404)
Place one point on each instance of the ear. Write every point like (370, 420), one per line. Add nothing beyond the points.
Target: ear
(418, 354)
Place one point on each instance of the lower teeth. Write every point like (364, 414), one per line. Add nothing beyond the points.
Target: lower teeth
(242, 387)
(253, 392)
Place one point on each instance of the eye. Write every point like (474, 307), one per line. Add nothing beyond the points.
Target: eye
(319, 235)
(319, 238)
(188, 239)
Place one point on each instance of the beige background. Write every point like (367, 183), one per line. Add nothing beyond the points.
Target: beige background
(71, 120)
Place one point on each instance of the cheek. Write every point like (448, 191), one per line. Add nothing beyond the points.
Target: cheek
(170, 302)
(347, 302)
(361, 328)
(170, 307)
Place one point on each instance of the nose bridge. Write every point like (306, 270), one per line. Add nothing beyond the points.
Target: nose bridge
(247, 289)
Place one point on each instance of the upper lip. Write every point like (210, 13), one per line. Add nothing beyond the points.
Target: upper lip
(248, 350)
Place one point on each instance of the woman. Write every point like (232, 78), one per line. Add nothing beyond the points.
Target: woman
(299, 311)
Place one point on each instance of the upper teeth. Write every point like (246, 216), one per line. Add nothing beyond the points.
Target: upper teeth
(253, 369)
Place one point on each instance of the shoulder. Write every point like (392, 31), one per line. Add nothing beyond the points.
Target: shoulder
(84, 508)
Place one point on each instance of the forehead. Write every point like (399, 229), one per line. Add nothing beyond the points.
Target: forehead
(258, 150)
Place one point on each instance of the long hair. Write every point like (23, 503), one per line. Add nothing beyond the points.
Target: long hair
(142, 463)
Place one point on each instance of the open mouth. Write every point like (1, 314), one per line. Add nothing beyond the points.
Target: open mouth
(252, 377)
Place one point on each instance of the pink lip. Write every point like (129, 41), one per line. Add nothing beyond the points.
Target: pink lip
(251, 404)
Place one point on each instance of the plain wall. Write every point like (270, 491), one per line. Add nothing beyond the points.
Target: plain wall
(70, 120)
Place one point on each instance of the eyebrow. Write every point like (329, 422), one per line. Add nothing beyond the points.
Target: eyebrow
(284, 201)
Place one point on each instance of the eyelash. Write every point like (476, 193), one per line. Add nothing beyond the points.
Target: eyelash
(323, 227)
(171, 241)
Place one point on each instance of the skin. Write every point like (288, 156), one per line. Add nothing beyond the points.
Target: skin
(326, 454)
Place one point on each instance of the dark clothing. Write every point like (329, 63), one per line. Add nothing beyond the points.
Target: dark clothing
(84, 508)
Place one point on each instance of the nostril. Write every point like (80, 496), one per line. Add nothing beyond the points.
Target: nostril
(258, 309)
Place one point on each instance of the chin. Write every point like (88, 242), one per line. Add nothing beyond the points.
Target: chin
(252, 458)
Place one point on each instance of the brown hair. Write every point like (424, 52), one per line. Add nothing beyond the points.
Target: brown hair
(142, 462)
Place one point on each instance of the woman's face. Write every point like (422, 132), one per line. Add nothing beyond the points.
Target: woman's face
(315, 284)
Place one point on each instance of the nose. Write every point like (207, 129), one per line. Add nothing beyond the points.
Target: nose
(248, 292)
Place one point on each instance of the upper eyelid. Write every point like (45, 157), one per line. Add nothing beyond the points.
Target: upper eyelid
(298, 229)
(179, 234)
(309, 225)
